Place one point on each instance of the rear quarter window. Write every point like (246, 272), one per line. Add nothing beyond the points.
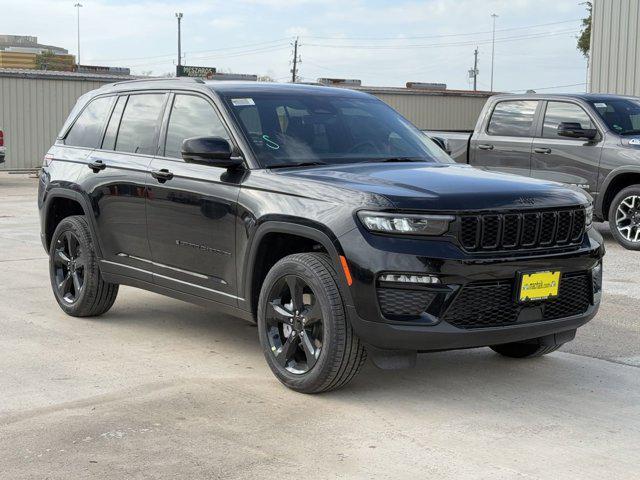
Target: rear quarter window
(87, 129)
(513, 118)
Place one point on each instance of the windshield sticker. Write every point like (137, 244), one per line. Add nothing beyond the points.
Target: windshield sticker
(242, 102)
(600, 105)
(270, 143)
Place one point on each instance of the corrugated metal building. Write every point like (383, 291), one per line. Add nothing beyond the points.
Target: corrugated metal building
(33, 106)
(434, 109)
(615, 47)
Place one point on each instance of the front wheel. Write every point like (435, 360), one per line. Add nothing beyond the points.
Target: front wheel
(624, 217)
(306, 337)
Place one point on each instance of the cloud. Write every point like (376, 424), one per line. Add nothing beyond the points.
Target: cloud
(226, 23)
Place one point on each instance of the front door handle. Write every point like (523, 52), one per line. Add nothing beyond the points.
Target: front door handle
(545, 151)
(162, 175)
(97, 165)
(485, 146)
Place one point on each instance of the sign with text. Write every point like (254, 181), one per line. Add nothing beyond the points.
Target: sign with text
(198, 72)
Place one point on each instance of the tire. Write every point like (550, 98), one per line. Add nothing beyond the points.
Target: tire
(341, 354)
(72, 259)
(627, 200)
(524, 349)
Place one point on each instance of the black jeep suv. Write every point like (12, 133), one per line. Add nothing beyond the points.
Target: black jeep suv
(320, 213)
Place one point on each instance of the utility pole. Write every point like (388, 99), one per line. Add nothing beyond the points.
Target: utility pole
(493, 46)
(78, 5)
(475, 69)
(294, 70)
(179, 17)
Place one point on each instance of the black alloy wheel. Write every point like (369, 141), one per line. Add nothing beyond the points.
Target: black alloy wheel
(69, 265)
(294, 324)
(74, 271)
(306, 337)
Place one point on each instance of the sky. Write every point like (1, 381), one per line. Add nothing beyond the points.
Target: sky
(381, 42)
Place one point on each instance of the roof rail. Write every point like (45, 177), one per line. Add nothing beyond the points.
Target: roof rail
(159, 79)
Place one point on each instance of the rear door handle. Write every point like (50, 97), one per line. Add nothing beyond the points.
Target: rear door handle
(485, 146)
(97, 165)
(545, 151)
(162, 175)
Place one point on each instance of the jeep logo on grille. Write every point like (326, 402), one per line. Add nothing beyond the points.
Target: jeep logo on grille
(527, 200)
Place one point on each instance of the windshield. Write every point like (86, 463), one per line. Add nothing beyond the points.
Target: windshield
(621, 115)
(301, 128)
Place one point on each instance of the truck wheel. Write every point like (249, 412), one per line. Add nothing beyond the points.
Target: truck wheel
(524, 349)
(624, 217)
(76, 281)
(305, 335)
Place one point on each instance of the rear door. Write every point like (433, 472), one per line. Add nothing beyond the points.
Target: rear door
(504, 143)
(191, 208)
(573, 161)
(116, 182)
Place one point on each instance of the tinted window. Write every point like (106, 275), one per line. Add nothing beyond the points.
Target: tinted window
(191, 116)
(87, 128)
(110, 135)
(284, 128)
(513, 118)
(141, 118)
(558, 112)
(621, 115)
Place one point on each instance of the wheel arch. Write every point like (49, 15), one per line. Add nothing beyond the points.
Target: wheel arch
(615, 181)
(300, 228)
(58, 196)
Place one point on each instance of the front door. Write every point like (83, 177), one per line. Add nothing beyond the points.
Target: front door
(505, 145)
(568, 160)
(191, 208)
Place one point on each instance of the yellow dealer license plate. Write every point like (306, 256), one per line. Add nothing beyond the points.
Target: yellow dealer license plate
(539, 286)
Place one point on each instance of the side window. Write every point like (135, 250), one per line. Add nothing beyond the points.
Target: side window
(140, 122)
(558, 112)
(87, 129)
(513, 118)
(191, 116)
(109, 142)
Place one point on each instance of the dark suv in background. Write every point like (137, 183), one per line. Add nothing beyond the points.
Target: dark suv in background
(320, 213)
(591, 141)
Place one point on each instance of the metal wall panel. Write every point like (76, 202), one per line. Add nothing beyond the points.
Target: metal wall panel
(615, 47)
(436, 112)
(32, 111)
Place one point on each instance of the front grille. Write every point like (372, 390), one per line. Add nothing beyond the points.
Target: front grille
(519, 231)
(395, 301)
(493, 304)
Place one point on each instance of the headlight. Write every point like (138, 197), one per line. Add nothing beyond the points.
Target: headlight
(405, 223)
(588, 219)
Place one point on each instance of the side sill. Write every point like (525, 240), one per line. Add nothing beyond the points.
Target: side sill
(186, 297)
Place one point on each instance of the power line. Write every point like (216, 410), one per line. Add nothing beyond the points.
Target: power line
(452, 44)
(413, 37)
(548, 88)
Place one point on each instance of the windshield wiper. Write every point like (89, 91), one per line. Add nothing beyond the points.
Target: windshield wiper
(298, 164)
(396, 159)
(631, 132)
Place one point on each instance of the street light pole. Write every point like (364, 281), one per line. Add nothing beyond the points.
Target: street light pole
(78, 5)
(493, 46)
(179, 17)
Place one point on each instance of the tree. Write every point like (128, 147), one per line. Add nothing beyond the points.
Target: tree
(584, 39)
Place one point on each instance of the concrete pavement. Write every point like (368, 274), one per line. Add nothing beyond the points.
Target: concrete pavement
(158, 388)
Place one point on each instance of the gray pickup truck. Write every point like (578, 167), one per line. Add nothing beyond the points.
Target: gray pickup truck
(588, 140)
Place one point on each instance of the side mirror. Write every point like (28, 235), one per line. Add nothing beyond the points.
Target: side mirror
(441, 142)
(575, 130)
(215, 151)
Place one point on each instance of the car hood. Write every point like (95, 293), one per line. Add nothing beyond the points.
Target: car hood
(445, 187)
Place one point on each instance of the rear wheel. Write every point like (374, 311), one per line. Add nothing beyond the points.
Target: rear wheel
(76, 281)
(524, 350)
(624, 217)
(306, 337)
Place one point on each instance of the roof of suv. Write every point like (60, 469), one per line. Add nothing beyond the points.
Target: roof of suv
(588, 97)
(229, 87)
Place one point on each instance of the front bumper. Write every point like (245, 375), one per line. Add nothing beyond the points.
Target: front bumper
(369, 256)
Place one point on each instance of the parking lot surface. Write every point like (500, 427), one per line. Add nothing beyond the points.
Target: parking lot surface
(158, 388)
